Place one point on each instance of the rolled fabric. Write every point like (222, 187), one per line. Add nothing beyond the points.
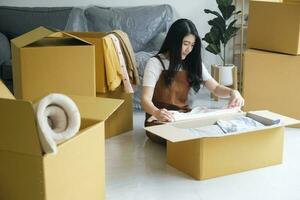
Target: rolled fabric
(58, 119)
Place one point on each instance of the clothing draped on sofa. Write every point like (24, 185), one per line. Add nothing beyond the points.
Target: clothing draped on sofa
(120, 65)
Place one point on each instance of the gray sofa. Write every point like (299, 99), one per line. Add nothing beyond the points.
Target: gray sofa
(145, 25)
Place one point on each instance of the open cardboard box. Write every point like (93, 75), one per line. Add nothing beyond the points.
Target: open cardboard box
(121, 120)
(46, 61)
(209, 157)
(75, 173)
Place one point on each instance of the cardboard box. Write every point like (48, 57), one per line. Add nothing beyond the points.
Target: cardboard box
(209, 157)
(115, 124)
(274, 27)
(95, 38)
(121, 120)
(291, 1)
(4, 92)
(270, 82)
(269, 0)
(46, 61)
(75, 173)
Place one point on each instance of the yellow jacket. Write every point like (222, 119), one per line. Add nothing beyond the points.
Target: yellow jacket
(113, 73)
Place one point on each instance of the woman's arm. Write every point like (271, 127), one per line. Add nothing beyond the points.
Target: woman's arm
(150, 108)
(222, 91)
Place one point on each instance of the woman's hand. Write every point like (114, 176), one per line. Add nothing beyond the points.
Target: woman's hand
(163, 115)
(236, 99)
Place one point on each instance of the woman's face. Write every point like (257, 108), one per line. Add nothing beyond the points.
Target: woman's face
(188, 43)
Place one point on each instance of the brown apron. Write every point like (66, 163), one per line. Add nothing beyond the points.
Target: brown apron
(171, 97)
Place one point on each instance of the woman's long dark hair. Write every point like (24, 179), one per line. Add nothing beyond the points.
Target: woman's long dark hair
(172, 47)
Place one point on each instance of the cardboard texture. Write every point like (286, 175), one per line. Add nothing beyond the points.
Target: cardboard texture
(4, 92)
(291, 1)
(116, 122)
(270, 82)
(204, 158)
(269, 0)
(121, 120)
(95, 38)
(274, 27)
(75, 173)
(46, 61)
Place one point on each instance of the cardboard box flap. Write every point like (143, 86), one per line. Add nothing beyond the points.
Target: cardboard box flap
(18, 127)
(174, 133)
(96, 108)
(4, 92)
(66, 34)
(42, 36)
(270, 118)
(183, 131)
(171, 133)
(31, 36)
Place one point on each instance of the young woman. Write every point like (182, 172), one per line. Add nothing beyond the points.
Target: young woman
(174, 71)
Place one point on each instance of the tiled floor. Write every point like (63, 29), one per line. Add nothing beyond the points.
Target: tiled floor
(136, 169)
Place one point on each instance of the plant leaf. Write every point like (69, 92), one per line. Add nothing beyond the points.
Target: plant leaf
(212, 12)
(212, 37)
(224, 2)
(218, 22)
(213, 48)
(229, 33)
(227, 11)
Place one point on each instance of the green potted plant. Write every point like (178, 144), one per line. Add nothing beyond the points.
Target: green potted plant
(222, 30)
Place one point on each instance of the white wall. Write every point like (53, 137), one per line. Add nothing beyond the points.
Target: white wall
(191, 9)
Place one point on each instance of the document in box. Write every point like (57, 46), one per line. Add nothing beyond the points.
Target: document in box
(198, 112)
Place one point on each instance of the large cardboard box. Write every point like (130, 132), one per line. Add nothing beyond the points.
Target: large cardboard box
(121, 120)
(76, 172)
(209, 157)
(46, 61)
(274, 27)
(270, 82)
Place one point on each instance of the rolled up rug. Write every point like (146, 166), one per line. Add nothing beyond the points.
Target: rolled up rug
(58, 119)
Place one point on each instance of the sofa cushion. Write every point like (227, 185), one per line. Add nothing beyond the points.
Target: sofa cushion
(24, 19)
(141, 23)
(4, 49)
